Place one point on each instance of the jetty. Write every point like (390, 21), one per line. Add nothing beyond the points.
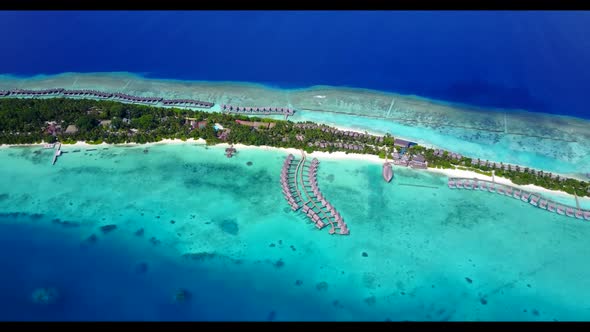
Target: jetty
(56, 154)
(533, 199)
(300, 189)
(229, 152)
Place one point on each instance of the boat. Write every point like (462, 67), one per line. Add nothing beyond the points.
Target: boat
(387, 172)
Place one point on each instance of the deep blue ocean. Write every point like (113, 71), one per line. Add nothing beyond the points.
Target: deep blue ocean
(539, 61)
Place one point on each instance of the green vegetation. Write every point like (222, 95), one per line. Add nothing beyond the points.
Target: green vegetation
(518, 176)
(24, 121)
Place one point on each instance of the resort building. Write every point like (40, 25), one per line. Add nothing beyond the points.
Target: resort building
(71, 129)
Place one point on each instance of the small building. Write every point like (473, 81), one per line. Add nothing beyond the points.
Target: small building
(52, 128)
(418, 161)
(105, 123)
(71, 129)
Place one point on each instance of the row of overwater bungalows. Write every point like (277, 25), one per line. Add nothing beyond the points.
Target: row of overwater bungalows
(323, 203)
(294, 199)
(105, 95)
(533, 199)
(257, 110)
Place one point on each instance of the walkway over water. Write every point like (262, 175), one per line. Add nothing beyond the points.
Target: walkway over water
(300, 189)
(534, 199)
(115, 96)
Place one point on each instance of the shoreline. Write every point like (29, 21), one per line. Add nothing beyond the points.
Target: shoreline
(338, 155)
(458, 173)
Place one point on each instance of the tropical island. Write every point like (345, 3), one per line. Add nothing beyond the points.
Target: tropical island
(37, 120)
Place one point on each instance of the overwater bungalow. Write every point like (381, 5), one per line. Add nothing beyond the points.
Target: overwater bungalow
(509, 191)
(500, 190)
(525, 197)
(517, 194)
(491, 187)
(569, 212)
(483, 186)
(534, 200)
(459, 184)
(560, 209)
(319, 224)
(551, 207)
(451, 183)
(579, 214)
(543, 204)
(587, 215)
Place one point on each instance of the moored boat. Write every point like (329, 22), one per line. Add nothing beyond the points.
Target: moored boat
(387, 172)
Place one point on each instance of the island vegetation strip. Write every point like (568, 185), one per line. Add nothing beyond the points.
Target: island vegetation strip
(26, 120)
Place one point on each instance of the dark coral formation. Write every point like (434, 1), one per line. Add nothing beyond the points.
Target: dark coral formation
(65, 223)
(45, 295)
(321, 286)
(182, 295)
(92, 238)
(108, 228)
(141, 268)
(229, 226)
(278, 264)
(203, 256)
(371, 300)
(271, 316)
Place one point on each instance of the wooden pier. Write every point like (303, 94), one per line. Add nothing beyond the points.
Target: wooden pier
(57, 153)
(300, 189)
(536, 200)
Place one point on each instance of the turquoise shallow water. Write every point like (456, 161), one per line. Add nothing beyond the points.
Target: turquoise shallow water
(432, 253)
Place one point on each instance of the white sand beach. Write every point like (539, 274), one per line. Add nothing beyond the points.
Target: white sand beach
(339, 155)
